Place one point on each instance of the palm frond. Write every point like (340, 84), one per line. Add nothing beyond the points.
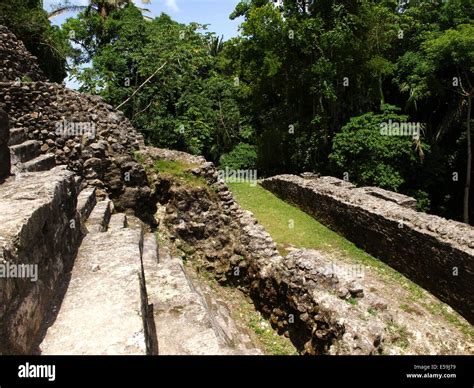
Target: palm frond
(144, 10)
(215, 45)
(69, 8)
(418, 144)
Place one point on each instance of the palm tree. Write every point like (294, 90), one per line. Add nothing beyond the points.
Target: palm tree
(102, 7)
(215, 45)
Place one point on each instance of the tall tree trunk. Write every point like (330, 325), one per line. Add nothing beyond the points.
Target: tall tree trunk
(469, 163)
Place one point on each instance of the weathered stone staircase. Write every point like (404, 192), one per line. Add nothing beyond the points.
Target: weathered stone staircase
(104, 286)
(101, 310)
(186, 321)
(26, 154)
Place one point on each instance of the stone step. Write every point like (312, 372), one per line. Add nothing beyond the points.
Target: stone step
(101, 311)
(86, 201)
(35, 217)
(184, 325)
(25, 151)
(117, 221)
(41, 163)
(100, 216)
(17, 136)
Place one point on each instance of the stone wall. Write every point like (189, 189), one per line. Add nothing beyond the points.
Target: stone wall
(16, 63)
(436, 253)
(41, 235)
(4, 150)
(294, 293)
(84, 133)
(93, 145)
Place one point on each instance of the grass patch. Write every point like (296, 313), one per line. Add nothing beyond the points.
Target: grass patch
(180, 171)
(272, 343)
(159, 239)
(139, 157)
(400, 335)
(289, 226)
(352, 301)
(439, 308)
(176, 170)
(372, 311)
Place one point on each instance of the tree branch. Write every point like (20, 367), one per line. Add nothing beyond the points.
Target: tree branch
(143, 84)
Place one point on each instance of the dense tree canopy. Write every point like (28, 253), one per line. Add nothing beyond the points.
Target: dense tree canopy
(29, 22)
(321, 73)
(102, 7)
(164, 76)
(305, 87)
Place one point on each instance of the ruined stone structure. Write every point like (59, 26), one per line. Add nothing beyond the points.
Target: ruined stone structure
(213, 228)
(39, 227)
(298, 294)
(16, 63)
(52, 125)
(101, 284)
(81, 209)
(434, 252)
